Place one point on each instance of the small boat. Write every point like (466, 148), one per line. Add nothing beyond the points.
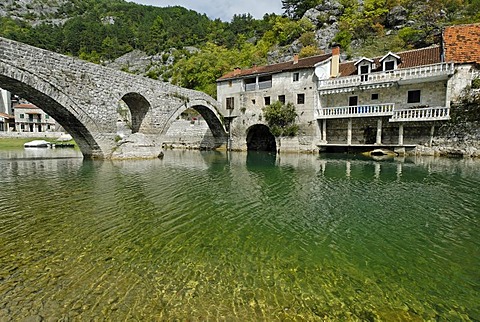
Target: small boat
(37, 144)
(380, 153)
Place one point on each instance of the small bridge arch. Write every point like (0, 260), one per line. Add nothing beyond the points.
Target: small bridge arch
(139, 107)
(209, 113)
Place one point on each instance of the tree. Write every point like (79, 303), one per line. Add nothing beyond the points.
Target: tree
(157, 37)
(295, 9)
(281, 119)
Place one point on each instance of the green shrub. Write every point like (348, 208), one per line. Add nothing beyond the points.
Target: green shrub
(281, 119)
(476, 83)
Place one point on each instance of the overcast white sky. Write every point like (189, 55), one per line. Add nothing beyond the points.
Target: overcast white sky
(223, 9)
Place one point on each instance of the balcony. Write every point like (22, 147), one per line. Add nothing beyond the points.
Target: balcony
(257, 86)
(355, 111)
(379, 110)
(421, 114)
(386, 79)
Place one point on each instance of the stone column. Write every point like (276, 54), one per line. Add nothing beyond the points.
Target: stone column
(432, 132)
(349, 132)
(324, 130)
(379, 132)
(400, 134)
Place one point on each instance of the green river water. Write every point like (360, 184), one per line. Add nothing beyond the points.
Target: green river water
(206, 236)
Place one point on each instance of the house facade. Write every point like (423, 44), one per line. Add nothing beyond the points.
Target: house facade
(30, 118)
(244, 94)
(396, 100)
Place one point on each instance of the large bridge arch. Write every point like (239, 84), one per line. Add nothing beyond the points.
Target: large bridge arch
(56, 104)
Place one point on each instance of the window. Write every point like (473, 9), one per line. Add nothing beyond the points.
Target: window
(296, 77)
(300, 98)
(389, 65)
(47, 116)
(364, 71)
(230, 103)
(267, 100)
(265, 82)
(250, 84)
(22, 116)
(413, 96)
(281, 99)
(230, 83)
(374, 96)
(353, 101)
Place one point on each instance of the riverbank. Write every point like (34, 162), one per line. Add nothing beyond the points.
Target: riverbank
(18, 142)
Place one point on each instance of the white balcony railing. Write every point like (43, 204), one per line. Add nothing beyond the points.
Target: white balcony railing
(356, 111)
(442, 69)
(421, 114)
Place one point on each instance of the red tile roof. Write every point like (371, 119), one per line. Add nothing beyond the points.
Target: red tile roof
(24, 106)
(411, 58)
(276, 68)
(7, 116)
(462, 43)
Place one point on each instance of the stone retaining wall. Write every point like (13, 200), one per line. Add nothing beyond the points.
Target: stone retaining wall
(50, 135)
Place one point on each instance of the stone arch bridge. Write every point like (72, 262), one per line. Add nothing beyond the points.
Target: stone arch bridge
(83, 98)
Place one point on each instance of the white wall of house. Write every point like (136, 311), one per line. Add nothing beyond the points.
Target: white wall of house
(433, 94)
(464, 74)
(33, 120)
(248, 105)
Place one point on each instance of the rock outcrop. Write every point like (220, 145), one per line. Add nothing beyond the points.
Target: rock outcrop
(136, 146)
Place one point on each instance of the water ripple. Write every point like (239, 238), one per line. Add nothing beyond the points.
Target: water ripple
(199, 236)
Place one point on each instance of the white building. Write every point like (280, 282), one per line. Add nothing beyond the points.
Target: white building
(396, 100)
(29, 118)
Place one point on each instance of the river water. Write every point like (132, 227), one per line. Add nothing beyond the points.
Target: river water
(210, 236)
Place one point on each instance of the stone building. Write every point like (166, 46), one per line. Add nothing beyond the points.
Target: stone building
(244, 93)
(395, 101)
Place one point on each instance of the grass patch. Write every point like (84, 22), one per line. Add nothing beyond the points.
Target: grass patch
(17, 143)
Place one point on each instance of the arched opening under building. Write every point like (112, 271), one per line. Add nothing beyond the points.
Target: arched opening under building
(259, 138)
(131, 111)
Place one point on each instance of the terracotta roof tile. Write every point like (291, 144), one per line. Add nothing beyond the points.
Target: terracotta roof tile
(276, 68)
(462, 43)
(7, 116)
(411, 58)
(24, 106)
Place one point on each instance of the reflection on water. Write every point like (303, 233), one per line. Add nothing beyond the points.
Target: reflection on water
(214, 236)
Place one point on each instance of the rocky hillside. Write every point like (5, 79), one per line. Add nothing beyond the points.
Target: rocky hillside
(36, 12)
(184, 47)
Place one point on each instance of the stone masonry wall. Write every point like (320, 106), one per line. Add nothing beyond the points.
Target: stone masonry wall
(187, 134)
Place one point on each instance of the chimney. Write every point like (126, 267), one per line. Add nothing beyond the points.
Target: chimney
(236, 71)
(335, 67)
(295, 58)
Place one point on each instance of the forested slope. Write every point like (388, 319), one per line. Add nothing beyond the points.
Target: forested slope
(191, 50)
